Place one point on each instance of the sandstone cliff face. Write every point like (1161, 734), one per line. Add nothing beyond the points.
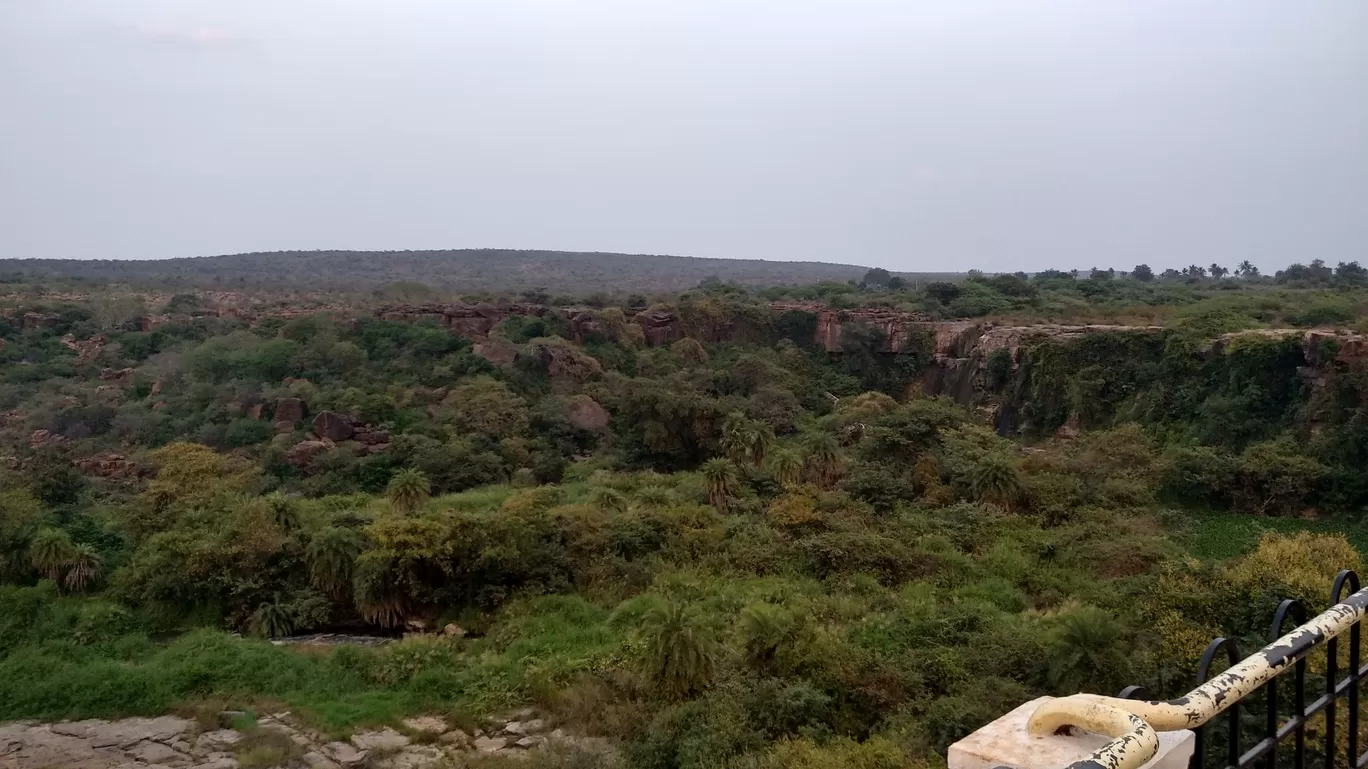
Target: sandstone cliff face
(960, 358)
(895, 325)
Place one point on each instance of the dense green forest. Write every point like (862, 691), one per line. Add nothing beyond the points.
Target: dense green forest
(748, 540)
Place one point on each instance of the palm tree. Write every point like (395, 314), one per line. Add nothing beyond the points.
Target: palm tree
(86, 567)
(1247, 270)
(1088, 651)
(746, 440)
(788, 468)
(283, 510)
(681, 652)
(736, 439)
(654, 496)
(723, 482)
(761, 437)
(610, 499)
(379, 596)
(331, 556)
(766, 633)
(51, 552)
(271, 620)
(408, 490)
(995, 479)
(824, 459)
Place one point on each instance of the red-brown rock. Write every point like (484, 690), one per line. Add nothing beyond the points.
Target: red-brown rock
(660, 327)
(289, 410)
(587, 414)
(122, 377)
(370, 436)
(501, 354)
(332, 426)
(108, 465)
(302, 454)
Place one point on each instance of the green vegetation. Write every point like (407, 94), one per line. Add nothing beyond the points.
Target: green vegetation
(730, 548)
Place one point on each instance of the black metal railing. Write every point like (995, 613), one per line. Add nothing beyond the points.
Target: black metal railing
(1282, 738)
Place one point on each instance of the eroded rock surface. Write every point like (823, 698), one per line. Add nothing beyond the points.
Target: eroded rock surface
(170, 742)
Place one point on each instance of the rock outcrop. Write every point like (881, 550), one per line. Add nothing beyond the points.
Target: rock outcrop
(302, 454)
(586, 414)
(108, 465)
(289, 410)
(332, 426)
(168, 742)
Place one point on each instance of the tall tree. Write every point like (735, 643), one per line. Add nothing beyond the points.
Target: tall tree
(788, 467)
(823, 459)
(85, 568)
(722, 480)
(51, 552)
(1142, 273)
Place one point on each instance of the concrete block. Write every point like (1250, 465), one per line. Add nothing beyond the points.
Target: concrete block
(1006, 743)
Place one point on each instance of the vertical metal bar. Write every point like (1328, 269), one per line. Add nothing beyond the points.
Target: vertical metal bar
(1271, 724)
(1294, 609)
(1331, 674)
(1349, 579)
(1198, 760)
(1299, 713)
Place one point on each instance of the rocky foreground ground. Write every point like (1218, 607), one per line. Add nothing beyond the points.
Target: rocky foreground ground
(278, 740)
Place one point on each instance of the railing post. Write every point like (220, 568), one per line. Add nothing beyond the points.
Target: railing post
(1129, 731)
(1349, 579)
(1295, 609)
(1203, 673)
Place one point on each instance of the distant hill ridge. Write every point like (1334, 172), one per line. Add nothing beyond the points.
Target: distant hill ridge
(467, 269)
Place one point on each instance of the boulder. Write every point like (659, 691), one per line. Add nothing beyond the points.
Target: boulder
(660, 327)
(217, 740)
(344, 753)
(530, 726)
(315, 760)
(490, 744)
(587, 414)
(289, 410)
(122, 377)
(332, 426)
(565, 361)
(108, 465)
(499, 353)
(384, 740)
(302, 454)
(370, 436)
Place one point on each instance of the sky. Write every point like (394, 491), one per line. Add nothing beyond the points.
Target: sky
(906, 134)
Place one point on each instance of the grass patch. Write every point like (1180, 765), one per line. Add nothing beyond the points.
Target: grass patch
(262, 747)
(537, 645)
(1221, 535)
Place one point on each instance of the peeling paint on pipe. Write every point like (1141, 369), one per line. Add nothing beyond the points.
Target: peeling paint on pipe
(1132, 747)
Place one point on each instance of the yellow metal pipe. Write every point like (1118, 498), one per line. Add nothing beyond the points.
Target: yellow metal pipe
(1131, 748)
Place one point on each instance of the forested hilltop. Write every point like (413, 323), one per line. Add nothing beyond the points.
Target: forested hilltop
(820, 526)
(467, 270)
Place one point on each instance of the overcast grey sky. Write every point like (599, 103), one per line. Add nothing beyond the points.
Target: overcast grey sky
(908, 134)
